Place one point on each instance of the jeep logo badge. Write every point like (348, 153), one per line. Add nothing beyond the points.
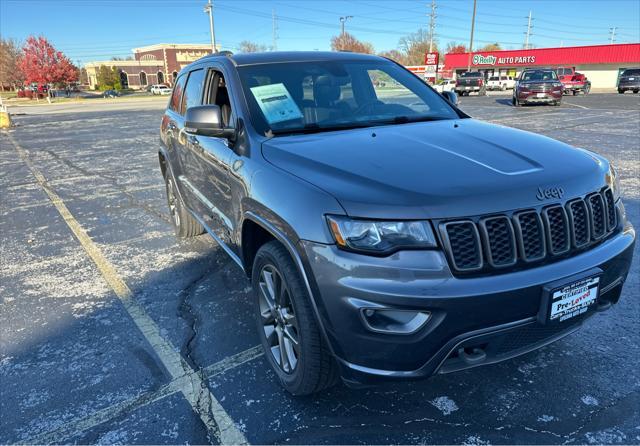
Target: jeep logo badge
(549, 192)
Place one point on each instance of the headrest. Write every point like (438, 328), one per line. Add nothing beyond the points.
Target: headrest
(325, 91)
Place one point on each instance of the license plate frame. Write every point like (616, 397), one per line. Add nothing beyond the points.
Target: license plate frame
(565, 299)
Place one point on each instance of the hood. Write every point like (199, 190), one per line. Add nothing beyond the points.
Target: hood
(437, 169)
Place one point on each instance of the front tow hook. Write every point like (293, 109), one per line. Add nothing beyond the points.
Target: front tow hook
(475, 356)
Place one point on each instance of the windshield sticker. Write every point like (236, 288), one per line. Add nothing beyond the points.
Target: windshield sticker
(276, 103)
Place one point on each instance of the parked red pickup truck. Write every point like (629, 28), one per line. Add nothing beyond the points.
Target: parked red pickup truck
(572, 81)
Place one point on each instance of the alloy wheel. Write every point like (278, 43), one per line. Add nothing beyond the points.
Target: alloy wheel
(278, 318)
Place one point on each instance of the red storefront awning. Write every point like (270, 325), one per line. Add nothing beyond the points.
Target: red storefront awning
(627, 53)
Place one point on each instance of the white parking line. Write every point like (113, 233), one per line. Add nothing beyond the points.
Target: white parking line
(75, 427)
(194, 388)
(576, 105)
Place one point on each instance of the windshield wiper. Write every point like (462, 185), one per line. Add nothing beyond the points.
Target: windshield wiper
(315, 128)
(408, 119)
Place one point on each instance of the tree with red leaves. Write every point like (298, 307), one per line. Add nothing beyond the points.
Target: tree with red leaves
(43, 64)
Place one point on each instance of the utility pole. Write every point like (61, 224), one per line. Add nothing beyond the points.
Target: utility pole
(526, 39)
(209, 9)
(473, 24)
(432, 24)
(342, 20)
(612, 31)
(274, 31)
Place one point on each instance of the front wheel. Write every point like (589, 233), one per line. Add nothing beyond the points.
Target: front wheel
(635, 91)
(515, 102)
(287, 326)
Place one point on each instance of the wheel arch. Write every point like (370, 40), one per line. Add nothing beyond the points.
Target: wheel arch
(252, 218)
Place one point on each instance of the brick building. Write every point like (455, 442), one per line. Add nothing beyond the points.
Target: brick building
(153, 64)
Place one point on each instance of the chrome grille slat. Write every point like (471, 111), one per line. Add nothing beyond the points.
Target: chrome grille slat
(529, 236)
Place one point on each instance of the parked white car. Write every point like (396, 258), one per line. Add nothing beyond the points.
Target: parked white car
(501, 83)
(160, 89)
(445, 85)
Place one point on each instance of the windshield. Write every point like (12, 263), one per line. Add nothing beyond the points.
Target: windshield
(471, 74)
(493, 78)
(539, 75)
(327, 95)
(631, 72)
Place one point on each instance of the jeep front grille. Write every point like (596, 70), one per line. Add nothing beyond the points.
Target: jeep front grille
(520, 238)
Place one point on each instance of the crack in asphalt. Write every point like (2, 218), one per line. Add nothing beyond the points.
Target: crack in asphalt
(133, 201)
(187, 313)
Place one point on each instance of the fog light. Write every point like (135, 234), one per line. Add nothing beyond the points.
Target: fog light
(385, 320)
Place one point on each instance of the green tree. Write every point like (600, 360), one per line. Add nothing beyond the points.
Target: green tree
(108, 78)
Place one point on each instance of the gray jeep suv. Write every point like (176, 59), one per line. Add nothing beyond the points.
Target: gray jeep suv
(387, 235)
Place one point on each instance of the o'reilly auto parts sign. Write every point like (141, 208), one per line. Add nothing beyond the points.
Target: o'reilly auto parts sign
(480, 59)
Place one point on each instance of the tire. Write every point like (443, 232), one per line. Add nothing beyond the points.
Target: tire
(504, 87)
(587, 89)
(310, 367)
(620, 91)
(635, 91)
(574, 92)
(184, 224)
(556, 103)
(515, 102)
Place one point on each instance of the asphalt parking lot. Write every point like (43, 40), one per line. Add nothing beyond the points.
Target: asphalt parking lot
(113, 331)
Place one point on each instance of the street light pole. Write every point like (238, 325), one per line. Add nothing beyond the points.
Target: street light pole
(473, 23)
(209, 9)
(342, 20)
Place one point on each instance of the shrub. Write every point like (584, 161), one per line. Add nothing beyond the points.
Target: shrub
(20, 93)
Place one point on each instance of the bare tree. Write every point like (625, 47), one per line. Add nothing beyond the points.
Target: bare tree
(394, 55)
(490, 47)
(247, 46)
(347, 42)
(10, 73)
(415, 46)
(456, 48)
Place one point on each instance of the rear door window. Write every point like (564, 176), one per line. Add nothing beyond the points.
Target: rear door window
(176, 97)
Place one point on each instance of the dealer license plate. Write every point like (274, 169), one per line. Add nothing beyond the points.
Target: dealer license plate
(467, 88)
(540, 95)
(574, 300)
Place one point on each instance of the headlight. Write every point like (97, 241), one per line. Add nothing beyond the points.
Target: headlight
(613, 181)
(380, 237)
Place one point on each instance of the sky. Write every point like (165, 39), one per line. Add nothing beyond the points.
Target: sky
(89, 30)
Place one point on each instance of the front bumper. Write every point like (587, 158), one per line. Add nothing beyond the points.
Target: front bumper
(498, 312)
(540, 96)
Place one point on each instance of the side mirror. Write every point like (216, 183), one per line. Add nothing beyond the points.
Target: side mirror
(450, 96)
(206, 120)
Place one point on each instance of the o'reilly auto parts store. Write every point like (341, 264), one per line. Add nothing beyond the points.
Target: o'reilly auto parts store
(602, 64)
